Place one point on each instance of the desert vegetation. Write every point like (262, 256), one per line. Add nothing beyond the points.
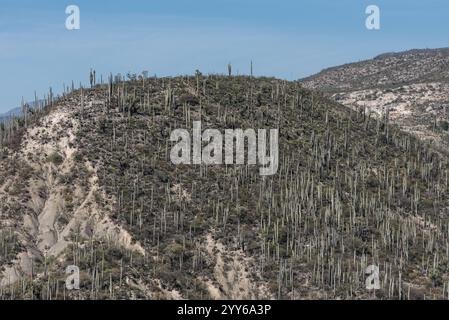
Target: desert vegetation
(352, 190)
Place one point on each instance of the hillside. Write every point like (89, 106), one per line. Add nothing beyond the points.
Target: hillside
(88, 181)
(411, 87)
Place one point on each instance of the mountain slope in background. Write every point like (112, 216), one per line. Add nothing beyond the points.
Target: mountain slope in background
(11, 113)
(411, 88)
(88, 181)
(18, 112)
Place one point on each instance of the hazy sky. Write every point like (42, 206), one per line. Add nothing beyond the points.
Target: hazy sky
(285, 38)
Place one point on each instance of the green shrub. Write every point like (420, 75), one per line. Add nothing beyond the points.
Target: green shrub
(444, 125)
(55, 158)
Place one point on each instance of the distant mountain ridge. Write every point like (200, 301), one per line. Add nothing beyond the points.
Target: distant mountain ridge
(17, 112)
(13, 112)
(411, 87)
(388, 69)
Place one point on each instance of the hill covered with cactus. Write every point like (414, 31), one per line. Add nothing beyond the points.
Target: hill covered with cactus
(87, 180)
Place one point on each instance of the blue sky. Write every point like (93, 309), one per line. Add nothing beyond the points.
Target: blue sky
(285, 38)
